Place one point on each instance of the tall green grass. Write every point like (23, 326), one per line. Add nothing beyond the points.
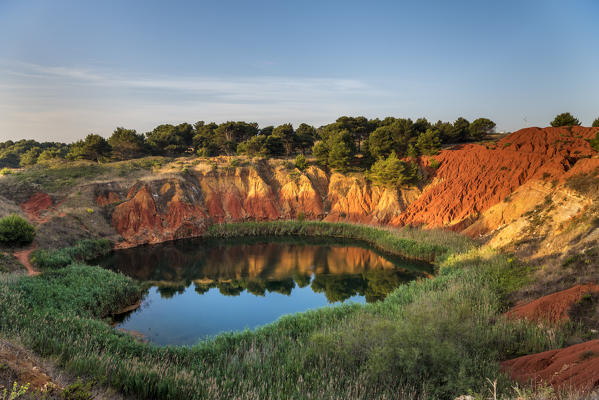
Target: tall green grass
(408, 242)
(83, 250)
(433, 338)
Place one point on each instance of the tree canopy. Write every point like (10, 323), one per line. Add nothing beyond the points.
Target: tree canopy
(565, 119)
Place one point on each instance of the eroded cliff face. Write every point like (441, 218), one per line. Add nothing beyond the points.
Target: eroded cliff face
(476, 189)
(171, 206)
(495, 190)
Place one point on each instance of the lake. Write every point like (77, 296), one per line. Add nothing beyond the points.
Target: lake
(201, 287)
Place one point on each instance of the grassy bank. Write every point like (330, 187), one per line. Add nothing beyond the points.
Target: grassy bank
(433, 338)
(408, 242)
(82, 251)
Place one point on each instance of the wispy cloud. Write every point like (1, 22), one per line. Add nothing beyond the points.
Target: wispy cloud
(68, 102)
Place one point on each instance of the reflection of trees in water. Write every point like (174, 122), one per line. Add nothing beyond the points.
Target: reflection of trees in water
(340, 271)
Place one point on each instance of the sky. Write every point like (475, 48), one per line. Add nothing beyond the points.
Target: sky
(70, 68)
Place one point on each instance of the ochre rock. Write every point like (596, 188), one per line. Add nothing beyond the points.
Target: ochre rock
(469, 191)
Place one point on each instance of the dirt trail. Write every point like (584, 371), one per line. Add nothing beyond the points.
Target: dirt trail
(23, 257)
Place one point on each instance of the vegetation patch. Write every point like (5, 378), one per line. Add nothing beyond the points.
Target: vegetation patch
(83, 250)
(16, 230)
(434, 338)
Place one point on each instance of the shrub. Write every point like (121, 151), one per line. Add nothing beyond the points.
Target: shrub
(15, 229)
(300, 162)
(565, 119)
(392, 172)
(5, 171)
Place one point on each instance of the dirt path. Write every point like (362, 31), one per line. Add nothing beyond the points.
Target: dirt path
(23, 257)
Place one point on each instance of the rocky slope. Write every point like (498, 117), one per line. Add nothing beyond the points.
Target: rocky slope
(534, 192)
(485, 190)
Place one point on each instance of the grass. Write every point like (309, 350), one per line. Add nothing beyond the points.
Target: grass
(432, 338)
(409, 242)
(83, 250)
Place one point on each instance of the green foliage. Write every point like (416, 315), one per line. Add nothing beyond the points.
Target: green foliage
(5, 171)
(341, 151)
(83, 250)
(16, 230)
(127, 144)
(321, 152)
(565, 119)
(481, 127)
(595, 123)
(78, 391)
(94, 148)
(429, 142)
(300, 162)
(393, 172)
(595, 142)
(432, 338)
(434, 163)
(170, 140)
(460, 130)
(16, 392)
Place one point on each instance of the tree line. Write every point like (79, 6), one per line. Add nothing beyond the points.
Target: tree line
(385, 148)
(336, 145)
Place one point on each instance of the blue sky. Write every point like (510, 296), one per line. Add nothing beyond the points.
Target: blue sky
(69, 68)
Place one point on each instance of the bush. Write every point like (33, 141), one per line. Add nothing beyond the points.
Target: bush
(5, 171)
(300, 162)
(392, 172)
(15, 229)
(565, 119)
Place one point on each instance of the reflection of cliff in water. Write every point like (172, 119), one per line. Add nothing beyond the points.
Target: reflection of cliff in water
(340, 270)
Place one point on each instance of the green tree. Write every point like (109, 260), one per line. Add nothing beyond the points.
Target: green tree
(460, 131)
(230, 134)
(288, 137)
(392, 172)
(481, 127)
(30, 157)
(256, 146)
(421, 125)
(170, 140)
(16, 230)
(595, 123)
(127, 144)
(94, 148)
(51, 155)
(320, 150)
(306, 135)
(429, 142)
(565, 119)
(300, 162)
(204, 139)
(393, 135)
(341, 150)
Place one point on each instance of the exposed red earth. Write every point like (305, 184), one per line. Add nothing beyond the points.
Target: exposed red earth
(553, 307)
(35, 205)
(571, 367)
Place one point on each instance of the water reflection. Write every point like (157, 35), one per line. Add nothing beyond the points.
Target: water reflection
(338, 269)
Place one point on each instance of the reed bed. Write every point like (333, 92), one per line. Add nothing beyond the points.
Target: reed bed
(432, 338)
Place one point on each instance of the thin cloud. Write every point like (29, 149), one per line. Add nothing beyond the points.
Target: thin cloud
(65, 103)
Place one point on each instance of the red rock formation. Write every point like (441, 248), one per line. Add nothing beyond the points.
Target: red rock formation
(107, 198)
(572, 367)
(473, 177)
(35, 205)
(553, 307)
